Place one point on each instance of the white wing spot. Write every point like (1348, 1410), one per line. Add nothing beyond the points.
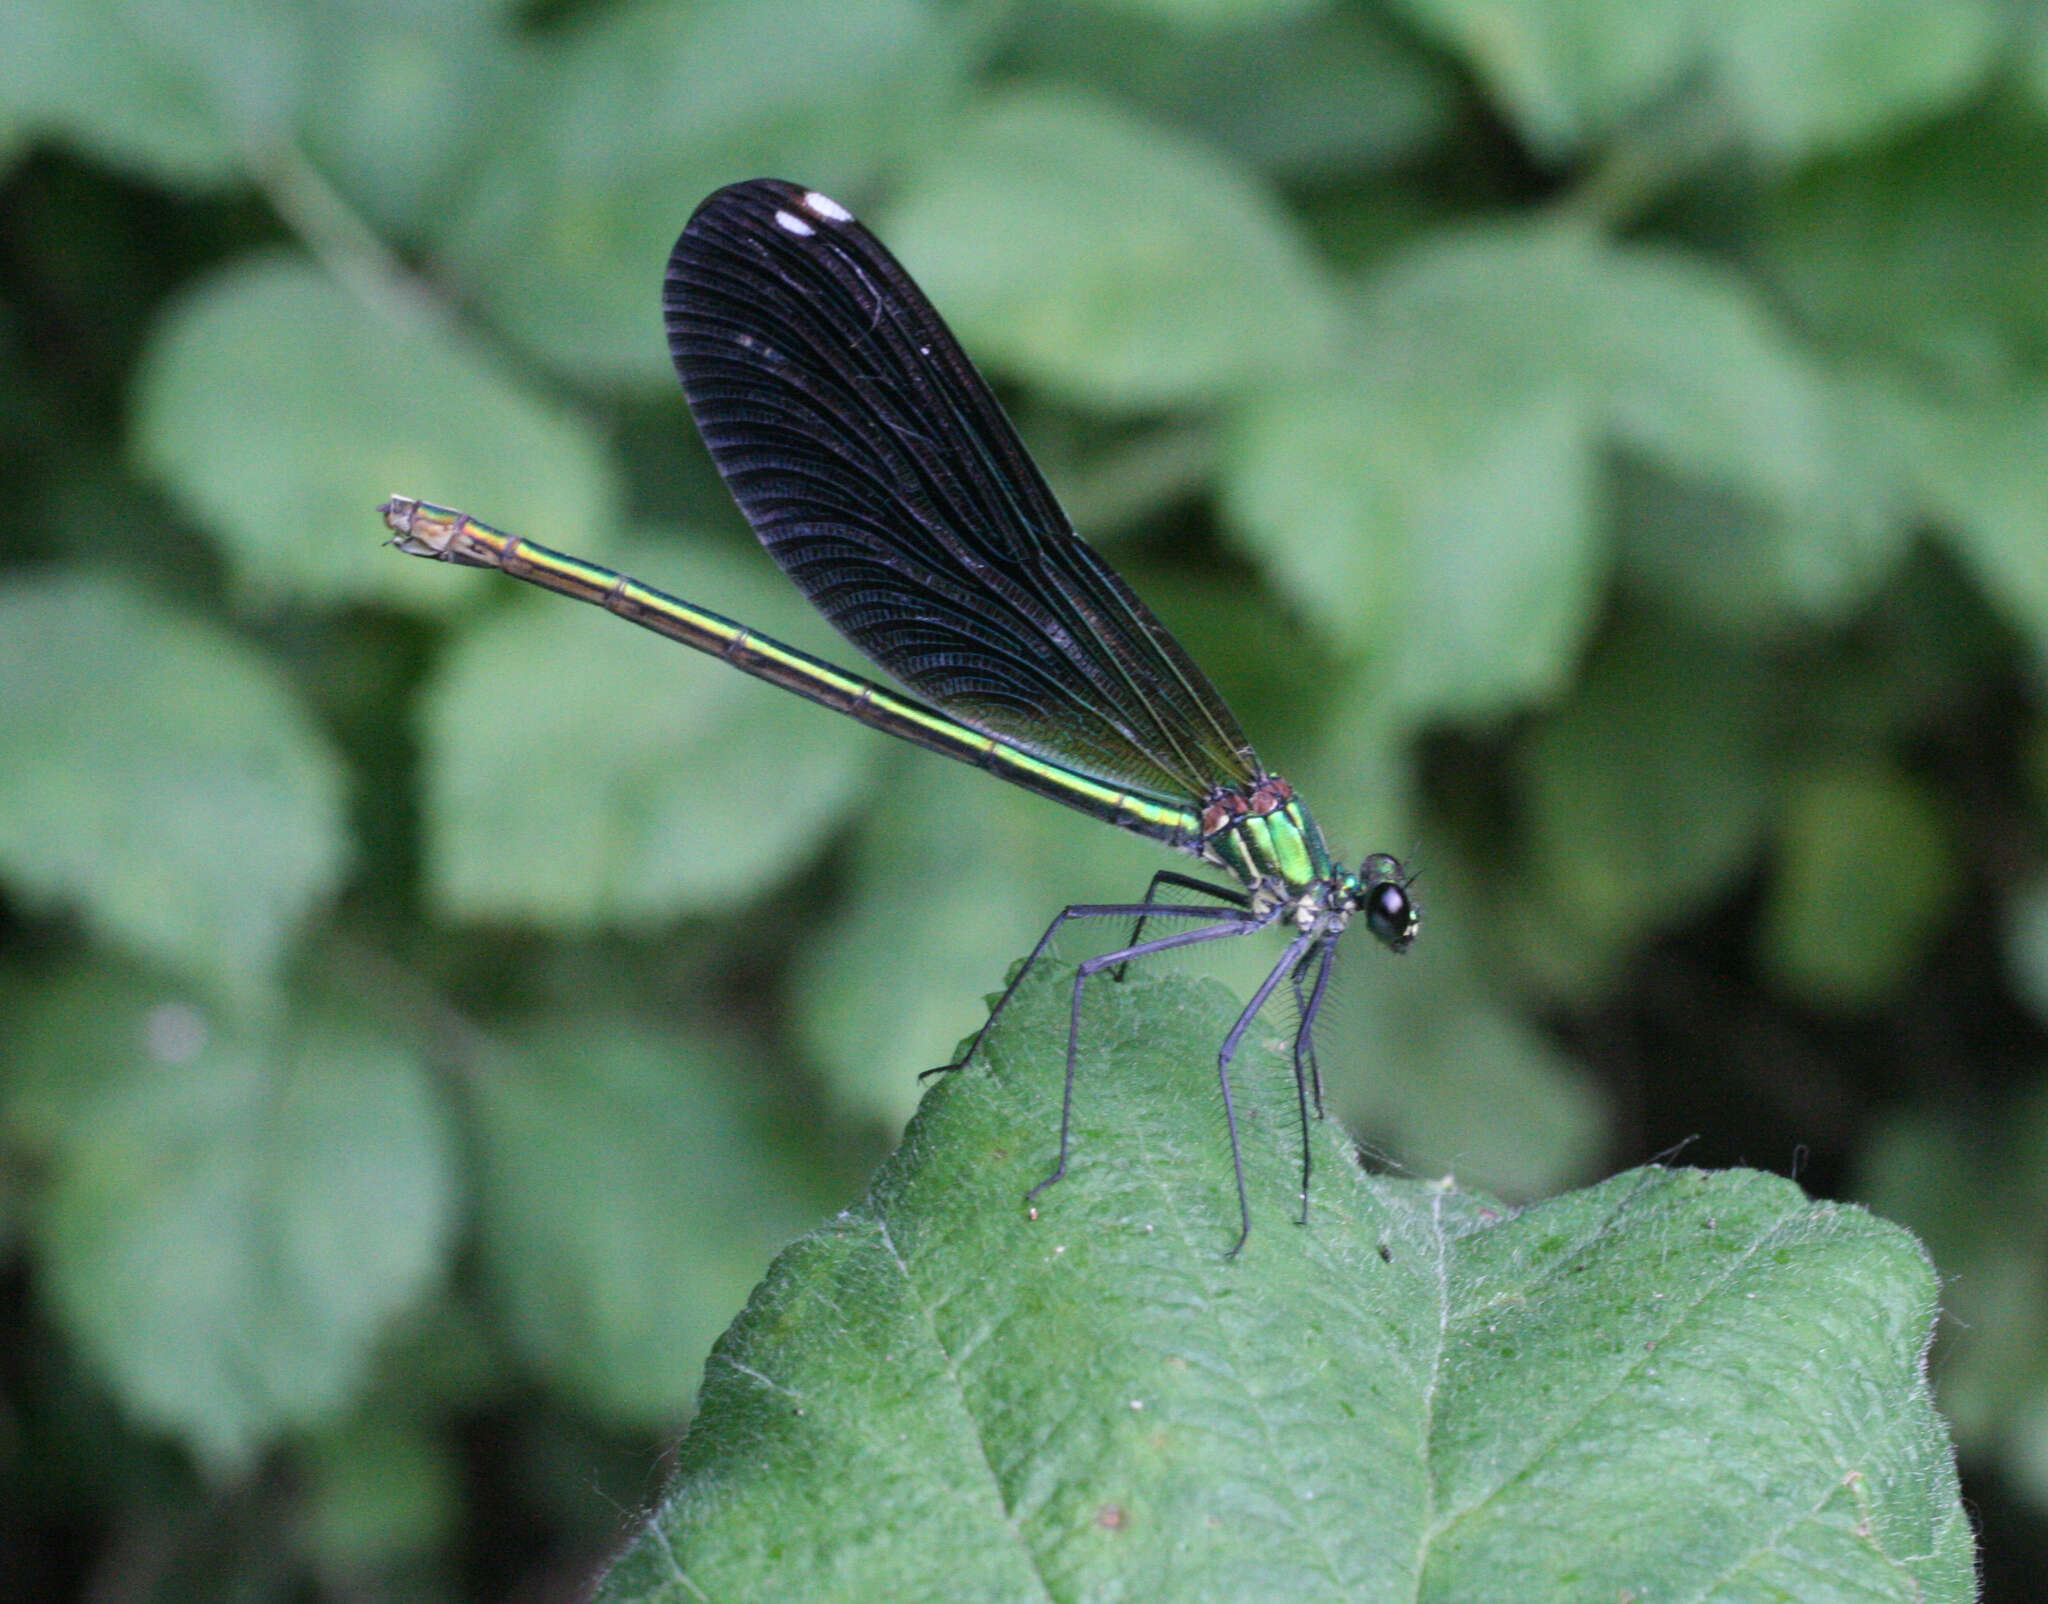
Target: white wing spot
(826, 207)
(790, 223)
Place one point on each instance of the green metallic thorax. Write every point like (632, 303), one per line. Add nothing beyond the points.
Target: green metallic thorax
(1260, 848)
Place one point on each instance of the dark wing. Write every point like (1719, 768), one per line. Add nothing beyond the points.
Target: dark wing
(881, 473)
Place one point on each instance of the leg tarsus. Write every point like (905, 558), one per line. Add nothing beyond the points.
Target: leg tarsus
(1288, 960)
(1305, 1052)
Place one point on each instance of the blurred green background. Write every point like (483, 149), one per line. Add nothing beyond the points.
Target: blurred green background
(1600, 447)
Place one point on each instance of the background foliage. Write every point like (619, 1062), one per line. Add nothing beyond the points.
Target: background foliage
(1597, 445)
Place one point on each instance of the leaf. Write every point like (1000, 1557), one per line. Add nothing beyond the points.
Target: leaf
(2026, 943)
(378, 1492)
(584, 775)
(1502, 1105)
(2029, 59)
(1977, 464)
(953, 876)
(1759, 574)
(1930, 253)
(1930, 1169)
(1917, 657)
(644, 111)
(280, 410)
(1795, 76)
(1445, 531)
(181, 91)
(1702, 380)
(1867, 876)
(156, 774)
(1106, 260)
(405, 99)
(1646, 791)
(627, 1204)
(1681, 362)
(1198, 14)
(1567, 71)
(1674, 1384)
(1315, 92)
(1435, 499)
(1807, 76)
(232, 1222)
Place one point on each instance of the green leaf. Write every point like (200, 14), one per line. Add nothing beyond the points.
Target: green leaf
(1796, 76)
(1758, 572)
(1806, 76)
(185, 92)
(1867, 875)
(1301, 94)
(1566, 71)
(627, 1205)
(440, 1357)
(1107, 260)
(404, 99)
(1199, 14)
(233, 1220)
(280, 410)
(1501, 1105)
(2026, 943)
(2030, 49)
(68, 1033)
(379, 1491)
(1646, 791)
(642, 113)
(156, 774)
(953, 876)
(1675, 1384)
(583, 775)
(1446, 531)
(1435, 499)
(1700, 378)
(1931, 252)
(1931, 1171)
(1977, 463)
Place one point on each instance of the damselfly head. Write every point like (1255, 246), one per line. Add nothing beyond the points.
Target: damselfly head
(1390, 912)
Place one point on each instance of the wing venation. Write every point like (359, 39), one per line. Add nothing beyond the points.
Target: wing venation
(880, 472)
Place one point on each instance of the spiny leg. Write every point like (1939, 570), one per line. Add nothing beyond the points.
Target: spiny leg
(1167, 877)
(1288, 960)
(1237, 925)
(1305, 1052)
(1100, 910)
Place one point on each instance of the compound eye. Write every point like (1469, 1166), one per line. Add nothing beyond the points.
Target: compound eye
(1381, 866)
(1391, 915)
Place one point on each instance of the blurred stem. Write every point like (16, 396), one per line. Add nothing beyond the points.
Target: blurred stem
(351, 251)
(1652, 158)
